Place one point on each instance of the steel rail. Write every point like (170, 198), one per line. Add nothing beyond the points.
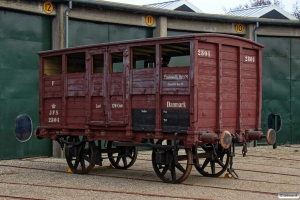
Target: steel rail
(16, 197)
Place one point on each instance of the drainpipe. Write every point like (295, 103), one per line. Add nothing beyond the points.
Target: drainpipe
(255, 39)
(255, 31)
(67, 23)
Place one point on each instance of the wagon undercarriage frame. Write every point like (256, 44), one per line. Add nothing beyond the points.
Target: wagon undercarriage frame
(171, 160)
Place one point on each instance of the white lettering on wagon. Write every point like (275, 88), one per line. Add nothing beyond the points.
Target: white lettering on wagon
(204, 53)
(176, 105)
(53, 83)
(53, 119)
(98, 106)
(250, 59)
(117, 105)
(175, 84)
(171, 84)
(53, 113)
(176, 77)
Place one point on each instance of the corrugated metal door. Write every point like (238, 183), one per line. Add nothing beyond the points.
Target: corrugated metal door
(295, 88)
(277, 93)
(21, 36)
(100, 33)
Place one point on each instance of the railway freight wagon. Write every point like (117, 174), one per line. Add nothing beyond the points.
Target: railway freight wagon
(188, 98)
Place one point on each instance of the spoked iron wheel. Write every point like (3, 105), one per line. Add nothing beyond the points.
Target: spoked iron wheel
(170, 168)
(80, 157)
(213, 165)
(123, 157)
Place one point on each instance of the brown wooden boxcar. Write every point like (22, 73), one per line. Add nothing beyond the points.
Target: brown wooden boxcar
(190, 98)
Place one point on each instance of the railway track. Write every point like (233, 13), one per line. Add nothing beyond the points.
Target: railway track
(129, 176)
(280, 156)
(95, 190)
(148, 180)
(16, 197)
(236, 162)
(148, 160)
(276, 158)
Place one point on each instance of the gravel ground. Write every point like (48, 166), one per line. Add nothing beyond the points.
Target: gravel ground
(265, 172)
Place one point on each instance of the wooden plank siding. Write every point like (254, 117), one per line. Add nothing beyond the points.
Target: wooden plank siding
(219, 89)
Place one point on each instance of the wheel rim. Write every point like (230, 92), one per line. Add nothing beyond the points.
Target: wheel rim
(80, 157)
(123, 158)
(213, 167)
(173, 172)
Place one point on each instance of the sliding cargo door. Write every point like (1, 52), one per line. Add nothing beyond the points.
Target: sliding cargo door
(22, 35)
(277, 92)
(295, 87)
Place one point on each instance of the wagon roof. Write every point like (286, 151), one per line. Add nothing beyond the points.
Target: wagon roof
(136, 41)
